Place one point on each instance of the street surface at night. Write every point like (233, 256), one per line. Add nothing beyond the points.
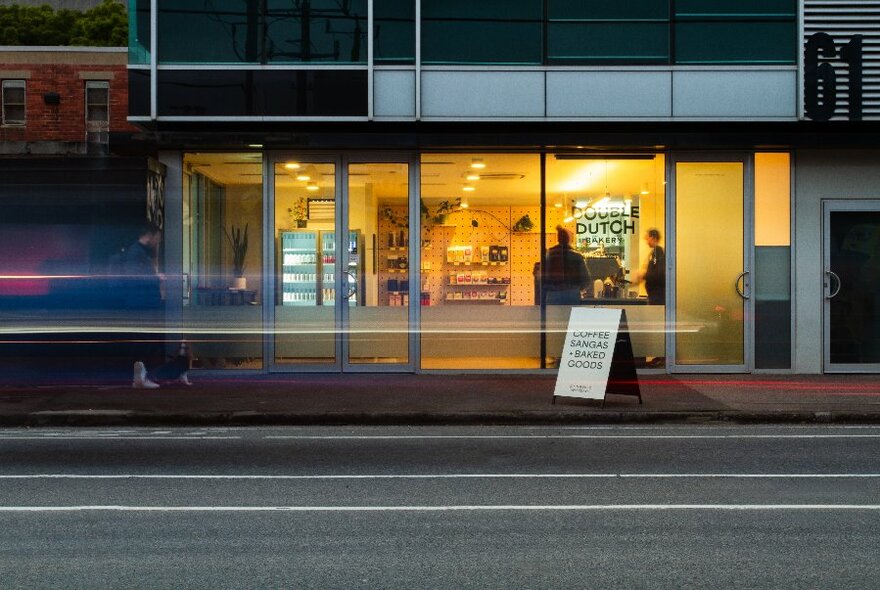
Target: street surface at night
(441, 507)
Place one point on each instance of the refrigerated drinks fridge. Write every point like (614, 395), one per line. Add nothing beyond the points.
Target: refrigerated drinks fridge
(307, 262)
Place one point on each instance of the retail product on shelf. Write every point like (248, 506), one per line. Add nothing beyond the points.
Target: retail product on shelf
(308, 268)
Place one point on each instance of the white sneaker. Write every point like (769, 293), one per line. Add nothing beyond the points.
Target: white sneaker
(140, 375)
(185, 380)
(140, 380)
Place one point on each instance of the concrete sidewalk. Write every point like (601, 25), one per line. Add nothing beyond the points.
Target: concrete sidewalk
(442, 399)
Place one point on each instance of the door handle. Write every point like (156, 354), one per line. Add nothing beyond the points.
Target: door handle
(742, 276)
(834, 276)
(352, 285)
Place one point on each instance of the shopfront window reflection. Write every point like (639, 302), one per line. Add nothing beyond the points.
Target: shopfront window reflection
(614, 210)
(223, 260)
(480, 245)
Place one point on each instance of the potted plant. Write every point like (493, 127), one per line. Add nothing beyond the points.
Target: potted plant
(299, 212)
(238, 241)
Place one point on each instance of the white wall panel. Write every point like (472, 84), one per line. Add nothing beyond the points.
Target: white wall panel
(600, 94)
(743, 95)
(394, 93)
(483, 95)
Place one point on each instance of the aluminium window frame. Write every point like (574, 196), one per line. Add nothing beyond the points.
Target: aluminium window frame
(14, 83)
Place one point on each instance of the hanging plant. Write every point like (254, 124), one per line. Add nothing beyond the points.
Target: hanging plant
(394, 218)
(524, 224)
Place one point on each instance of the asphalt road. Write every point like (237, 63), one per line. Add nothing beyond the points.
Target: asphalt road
(481, 507)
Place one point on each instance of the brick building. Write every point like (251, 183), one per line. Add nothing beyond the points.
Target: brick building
(62, 100)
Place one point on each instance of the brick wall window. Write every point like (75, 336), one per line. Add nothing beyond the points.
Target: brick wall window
(13, 102)
(97, 111)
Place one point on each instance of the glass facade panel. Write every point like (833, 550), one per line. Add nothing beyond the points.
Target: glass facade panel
(227, 31)
(461, 32)
(394, 32)
(772, 284)
(223, 260)
(139, 32)
(491, 32)
(139, 93)
(710, 322)
(222, 31)
(736, 8)
(606, 207)
(377, 269)
(604, 42)
(479, 249)
(263, 93)
(735, 42)
(315, 31)
(595, 10)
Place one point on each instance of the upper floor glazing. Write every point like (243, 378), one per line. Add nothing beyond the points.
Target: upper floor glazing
(463, 32)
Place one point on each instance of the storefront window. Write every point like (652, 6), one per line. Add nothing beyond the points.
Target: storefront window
(612, 212)
(480, 243)
(223, 259)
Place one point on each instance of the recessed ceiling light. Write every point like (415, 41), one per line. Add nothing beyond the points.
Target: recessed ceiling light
(478, 163)
(255, 145)
(312, 186)
(472, 176)
(468, 188)
(303, 176)
(292, 165)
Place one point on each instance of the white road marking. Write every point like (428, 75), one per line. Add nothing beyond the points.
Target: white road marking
(454, 508)
(112, 438)
(562, 436)
(49, 476)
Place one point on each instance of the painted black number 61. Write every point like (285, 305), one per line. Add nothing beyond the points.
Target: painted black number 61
(821, 108)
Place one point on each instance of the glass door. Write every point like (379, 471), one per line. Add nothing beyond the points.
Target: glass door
(710, 265)
(377, 267)
(851, 265)
(304, 322)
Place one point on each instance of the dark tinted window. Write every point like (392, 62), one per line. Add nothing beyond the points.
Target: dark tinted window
(394, 35)
(735, 31)
(484, 31)
(319, 30)
(262, 93)
(272, 31)
(608, 31)
(139, 93)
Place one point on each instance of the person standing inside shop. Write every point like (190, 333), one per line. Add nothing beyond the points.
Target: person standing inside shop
(566, 272)
(654, 273)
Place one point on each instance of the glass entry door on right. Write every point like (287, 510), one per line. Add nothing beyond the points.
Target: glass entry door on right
(851, 261)
(711, 286)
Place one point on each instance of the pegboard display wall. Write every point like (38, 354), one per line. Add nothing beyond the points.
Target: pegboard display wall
(472, 258)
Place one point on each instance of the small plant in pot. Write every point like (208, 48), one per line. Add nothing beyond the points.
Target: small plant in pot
(299, 213)
(238, 242)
